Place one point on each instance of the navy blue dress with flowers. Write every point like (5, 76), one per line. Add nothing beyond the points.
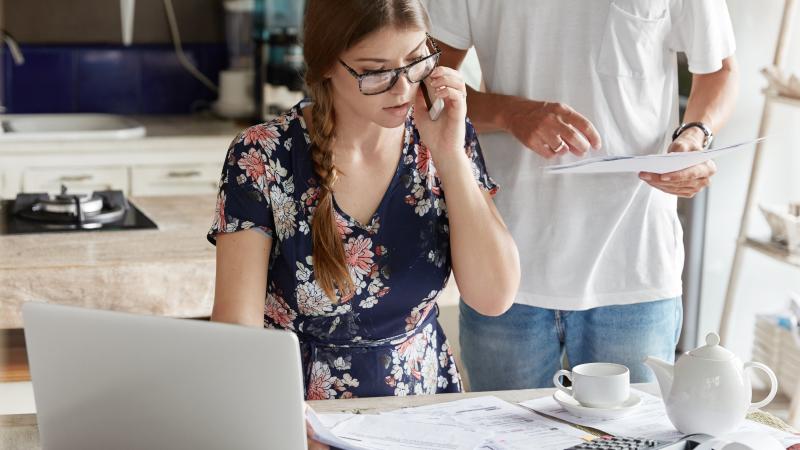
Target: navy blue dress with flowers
(384, 339)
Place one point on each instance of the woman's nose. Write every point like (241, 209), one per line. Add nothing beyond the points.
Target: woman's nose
(402, 86)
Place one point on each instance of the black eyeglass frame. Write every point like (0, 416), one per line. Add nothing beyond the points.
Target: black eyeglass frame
(395, 72)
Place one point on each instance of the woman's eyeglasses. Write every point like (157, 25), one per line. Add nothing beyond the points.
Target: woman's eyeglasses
(375, 82)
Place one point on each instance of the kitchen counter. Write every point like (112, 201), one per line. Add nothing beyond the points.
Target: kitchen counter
(168, 272)
(162, 132)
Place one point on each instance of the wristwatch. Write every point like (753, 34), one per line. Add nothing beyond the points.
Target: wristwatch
(709, 136)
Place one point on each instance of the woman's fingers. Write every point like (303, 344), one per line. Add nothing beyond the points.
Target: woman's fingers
(451, 93)
(451, 80)
(314, 445)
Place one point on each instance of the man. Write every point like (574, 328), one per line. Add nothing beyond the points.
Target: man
(601, 255)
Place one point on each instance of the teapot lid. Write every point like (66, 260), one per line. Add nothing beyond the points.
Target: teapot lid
(712, 350)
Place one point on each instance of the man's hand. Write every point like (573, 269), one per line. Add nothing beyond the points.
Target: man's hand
(687, 182)
(549, 129)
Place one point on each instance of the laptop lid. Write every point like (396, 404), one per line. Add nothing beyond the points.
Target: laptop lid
(107, 380)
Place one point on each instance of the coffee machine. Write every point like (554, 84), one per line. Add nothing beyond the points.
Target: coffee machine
(278, 56)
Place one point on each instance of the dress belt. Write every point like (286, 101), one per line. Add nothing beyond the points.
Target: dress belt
(312, 345)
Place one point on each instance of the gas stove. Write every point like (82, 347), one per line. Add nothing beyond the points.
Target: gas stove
(97, 211)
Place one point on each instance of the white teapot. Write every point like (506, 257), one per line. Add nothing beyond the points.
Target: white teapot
(707, 390)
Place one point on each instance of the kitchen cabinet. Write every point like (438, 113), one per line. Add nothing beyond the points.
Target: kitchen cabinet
(76, 179)
(179, 156)
(175, 179)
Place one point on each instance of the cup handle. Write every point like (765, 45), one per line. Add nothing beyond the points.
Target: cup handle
(557, 381)
(773, 389)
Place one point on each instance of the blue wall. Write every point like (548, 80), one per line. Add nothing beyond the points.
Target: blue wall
(144, 79)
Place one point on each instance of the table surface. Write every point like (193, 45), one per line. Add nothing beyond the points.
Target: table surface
(377, 405)
(20, 430)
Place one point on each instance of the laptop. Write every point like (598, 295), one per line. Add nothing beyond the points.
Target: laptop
(110, 380)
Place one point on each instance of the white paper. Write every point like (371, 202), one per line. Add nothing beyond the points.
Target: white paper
(661, 163)
(648, 421)
(321, 433)
(513, 427)
(787, 439)
(395, 432)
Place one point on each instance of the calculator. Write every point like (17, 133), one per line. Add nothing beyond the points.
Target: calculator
(628, 443)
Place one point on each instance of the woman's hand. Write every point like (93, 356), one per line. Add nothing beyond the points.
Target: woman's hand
(445, 136)
(312, 444)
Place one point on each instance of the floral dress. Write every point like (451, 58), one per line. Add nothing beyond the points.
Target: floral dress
(384, 339)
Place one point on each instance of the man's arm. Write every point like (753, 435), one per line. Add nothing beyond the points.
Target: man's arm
(711, 101)
(540, 126)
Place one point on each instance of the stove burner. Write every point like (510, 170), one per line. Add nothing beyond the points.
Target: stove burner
(80, 210)
(100, 210)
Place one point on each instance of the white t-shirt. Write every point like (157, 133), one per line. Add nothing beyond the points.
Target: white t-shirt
(589, 240)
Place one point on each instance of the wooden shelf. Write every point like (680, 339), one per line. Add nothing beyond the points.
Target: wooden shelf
(785, 99)
(773, 250)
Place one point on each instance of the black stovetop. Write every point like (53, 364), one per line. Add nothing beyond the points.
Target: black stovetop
(11, 223)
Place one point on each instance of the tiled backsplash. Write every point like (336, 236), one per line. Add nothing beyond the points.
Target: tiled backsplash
(145, 79)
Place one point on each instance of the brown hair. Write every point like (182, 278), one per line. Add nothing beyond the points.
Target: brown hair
(331, 27)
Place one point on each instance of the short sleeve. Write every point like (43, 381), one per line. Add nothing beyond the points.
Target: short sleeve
(243, 201)
(450, 22)
(475, 154)
(703, 30)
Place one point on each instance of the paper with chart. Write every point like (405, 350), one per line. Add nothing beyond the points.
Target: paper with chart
(661, 163)
(649, 420)
(512, 427)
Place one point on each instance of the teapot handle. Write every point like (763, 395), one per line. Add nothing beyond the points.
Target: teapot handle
(773, 381)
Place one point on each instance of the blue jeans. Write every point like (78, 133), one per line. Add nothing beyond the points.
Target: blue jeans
(523, 348)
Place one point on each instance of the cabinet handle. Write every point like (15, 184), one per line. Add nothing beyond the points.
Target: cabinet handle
(183, 173)
(76, 178)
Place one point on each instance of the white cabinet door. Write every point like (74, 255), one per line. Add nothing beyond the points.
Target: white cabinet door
(76, 179)
(189, 179)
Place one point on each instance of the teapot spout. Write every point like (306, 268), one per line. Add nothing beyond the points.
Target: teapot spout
(664, 374)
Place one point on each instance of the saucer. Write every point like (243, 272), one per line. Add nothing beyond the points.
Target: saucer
(576, 409)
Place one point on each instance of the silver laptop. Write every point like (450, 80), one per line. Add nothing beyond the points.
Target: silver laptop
(109, 380)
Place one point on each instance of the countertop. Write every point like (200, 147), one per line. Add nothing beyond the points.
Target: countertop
(162, 132)
(169, 271)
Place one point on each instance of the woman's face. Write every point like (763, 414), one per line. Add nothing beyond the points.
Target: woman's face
(388, 48)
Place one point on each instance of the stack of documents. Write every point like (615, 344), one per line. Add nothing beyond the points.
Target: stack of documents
(662, 163)
(489, 423)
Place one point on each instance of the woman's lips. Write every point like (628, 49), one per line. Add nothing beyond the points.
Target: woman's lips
(399, 110)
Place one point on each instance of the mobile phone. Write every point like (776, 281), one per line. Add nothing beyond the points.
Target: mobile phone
(434, 108)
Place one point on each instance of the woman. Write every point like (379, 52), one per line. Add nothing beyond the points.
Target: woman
(336, 210)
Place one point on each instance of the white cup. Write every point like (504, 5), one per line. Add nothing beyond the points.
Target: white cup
(596, 385)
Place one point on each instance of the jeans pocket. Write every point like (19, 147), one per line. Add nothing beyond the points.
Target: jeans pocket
(632, 45)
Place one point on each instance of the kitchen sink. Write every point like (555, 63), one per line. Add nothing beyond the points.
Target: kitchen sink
(70, 127)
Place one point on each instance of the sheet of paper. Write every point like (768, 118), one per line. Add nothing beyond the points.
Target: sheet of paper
(513, 427)
(321, 433)
(661, 163)
(649, 420)
(787, 439)
(394, 432)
